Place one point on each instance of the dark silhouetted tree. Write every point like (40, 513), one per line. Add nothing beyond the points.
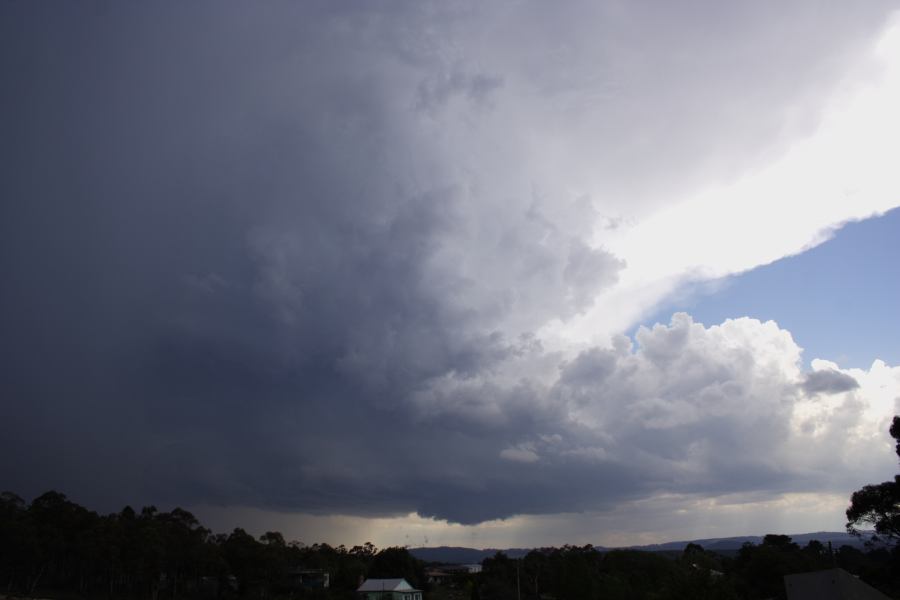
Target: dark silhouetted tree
(878, 505)
(245, 559)
(398, 562)
(760, 570)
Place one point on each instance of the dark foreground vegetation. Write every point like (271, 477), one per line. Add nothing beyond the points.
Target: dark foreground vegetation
(54, 548)
(756, 572)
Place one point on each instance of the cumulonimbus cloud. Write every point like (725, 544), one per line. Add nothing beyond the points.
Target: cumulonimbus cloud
(313, 258)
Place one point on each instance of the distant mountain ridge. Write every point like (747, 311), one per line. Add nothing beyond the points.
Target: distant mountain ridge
(837, 539)
(460, 555)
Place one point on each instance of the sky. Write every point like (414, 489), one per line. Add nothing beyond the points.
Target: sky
(449, 273)
(810, 293)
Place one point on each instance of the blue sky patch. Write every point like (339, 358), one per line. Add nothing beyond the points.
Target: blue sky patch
(839, 300)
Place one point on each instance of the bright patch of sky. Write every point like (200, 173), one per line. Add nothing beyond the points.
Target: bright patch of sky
(651, 521)
(839, 300)
(842, 172)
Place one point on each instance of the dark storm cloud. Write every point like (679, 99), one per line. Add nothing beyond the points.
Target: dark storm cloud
(297, 256)
(828, 381)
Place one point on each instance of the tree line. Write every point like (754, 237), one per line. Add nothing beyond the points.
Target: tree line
(55, 547)
(754, 572)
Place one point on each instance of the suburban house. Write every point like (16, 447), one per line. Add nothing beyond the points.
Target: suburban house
(388, 589)
(445, 573)
(437, 576)
(309, 579)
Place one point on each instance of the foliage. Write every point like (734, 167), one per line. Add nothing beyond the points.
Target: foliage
(398, 562)
(56, 548)
(756, 573)
(878, 505)
(584, 573)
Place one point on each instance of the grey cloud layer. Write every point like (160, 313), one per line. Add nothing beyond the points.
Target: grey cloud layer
(297, 257)
(829, 382)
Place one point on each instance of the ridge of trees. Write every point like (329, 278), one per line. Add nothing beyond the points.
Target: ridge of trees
(755, 572)
(58, 548)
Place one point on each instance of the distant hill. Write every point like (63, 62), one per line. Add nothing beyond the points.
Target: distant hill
(458, 555)
(837, 539)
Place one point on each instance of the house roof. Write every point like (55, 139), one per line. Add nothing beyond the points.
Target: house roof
(387, 585)
(832, 584)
